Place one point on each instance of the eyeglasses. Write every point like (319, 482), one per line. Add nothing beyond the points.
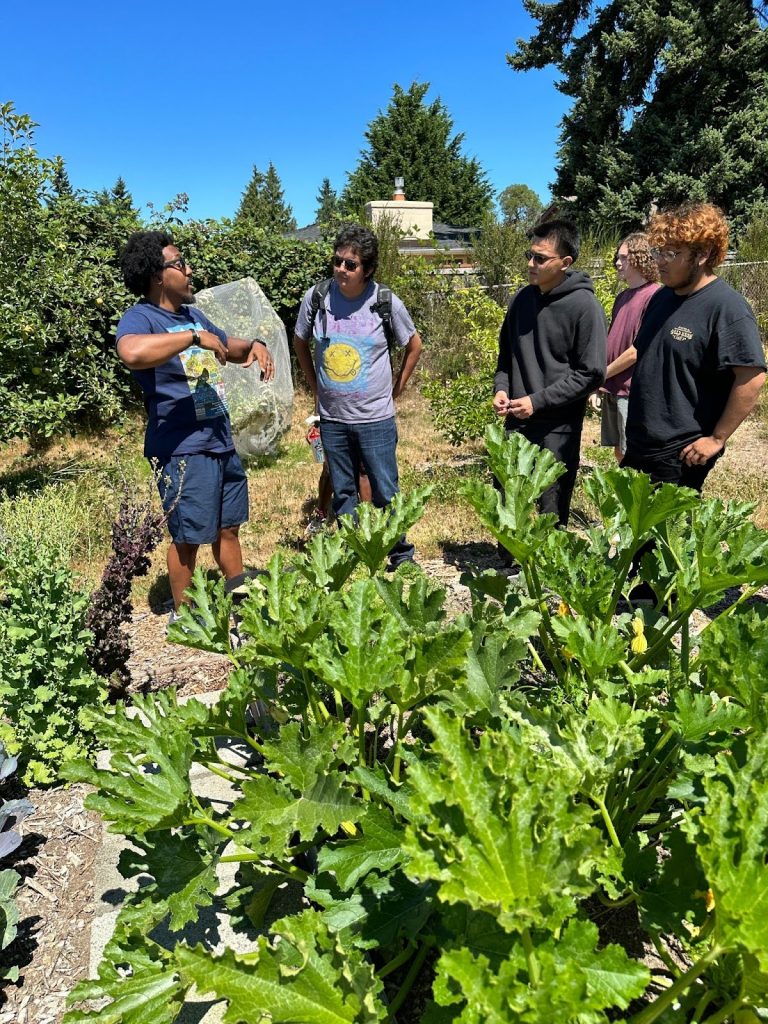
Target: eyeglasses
(350, 265)
(179, 263)
(538, 257)
(665, 255)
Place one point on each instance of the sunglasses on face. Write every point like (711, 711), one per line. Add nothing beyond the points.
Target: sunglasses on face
(179, 263)
(538, 257)
(350, 265)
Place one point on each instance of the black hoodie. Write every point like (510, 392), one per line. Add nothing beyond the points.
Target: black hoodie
(552, 347)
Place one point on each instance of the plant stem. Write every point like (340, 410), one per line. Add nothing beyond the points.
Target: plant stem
(651, 1013)
(361, 736)
(339, 705)
(685, 649)
(397, 760)
(530, 955)
(701, 1006)
(210, 823)
(725, 1012)
(608, 822)
(222, 774)
(274, 867)
(658, 945)
(397, 961)
(536, 659)
(410, 977)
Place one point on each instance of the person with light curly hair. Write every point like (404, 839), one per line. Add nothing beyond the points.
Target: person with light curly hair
(634, 265)
(700, 360)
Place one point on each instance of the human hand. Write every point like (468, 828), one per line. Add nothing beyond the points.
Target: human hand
(260, 352)
(595, 401)
(521, 408)
(701, 450)
(214, 344)
(500, 403)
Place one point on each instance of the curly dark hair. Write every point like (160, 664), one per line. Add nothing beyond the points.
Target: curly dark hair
(141, 258)
(564, 235)
(363, 242)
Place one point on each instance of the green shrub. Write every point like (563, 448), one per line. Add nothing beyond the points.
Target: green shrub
(45, 679)
(461, 405)
(223, 251)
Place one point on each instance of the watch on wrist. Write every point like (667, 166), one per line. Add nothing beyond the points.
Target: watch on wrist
(195, 337)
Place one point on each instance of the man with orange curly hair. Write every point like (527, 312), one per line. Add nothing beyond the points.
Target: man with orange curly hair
(700, 359)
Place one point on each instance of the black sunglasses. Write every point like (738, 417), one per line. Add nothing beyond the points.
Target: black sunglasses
(538, 257)
(179, 263)
(350, 265)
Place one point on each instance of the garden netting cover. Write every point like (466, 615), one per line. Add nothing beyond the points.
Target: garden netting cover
(260, 411)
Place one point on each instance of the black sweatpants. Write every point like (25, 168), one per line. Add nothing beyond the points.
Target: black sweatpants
(564, 441)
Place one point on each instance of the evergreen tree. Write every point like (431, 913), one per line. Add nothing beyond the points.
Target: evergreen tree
(263, 203)
(670, 103)
(414, 140)
(520, 206)
(327, 203)
(60, 179)
(121, 197)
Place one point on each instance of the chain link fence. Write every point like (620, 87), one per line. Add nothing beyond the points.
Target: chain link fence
(751, 279)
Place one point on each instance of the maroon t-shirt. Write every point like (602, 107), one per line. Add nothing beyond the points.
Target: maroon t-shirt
(628, 311)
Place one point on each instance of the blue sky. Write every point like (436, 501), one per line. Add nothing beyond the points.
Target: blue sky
(187, 97)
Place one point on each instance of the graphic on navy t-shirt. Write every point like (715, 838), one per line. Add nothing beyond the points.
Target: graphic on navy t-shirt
(204, 379)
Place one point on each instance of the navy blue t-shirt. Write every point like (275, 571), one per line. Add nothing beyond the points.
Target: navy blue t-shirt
(185, 396)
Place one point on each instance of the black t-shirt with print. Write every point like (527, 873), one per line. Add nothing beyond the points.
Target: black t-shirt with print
(686, 348)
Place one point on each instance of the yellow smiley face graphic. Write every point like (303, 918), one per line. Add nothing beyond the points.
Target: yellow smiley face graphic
(342, 362)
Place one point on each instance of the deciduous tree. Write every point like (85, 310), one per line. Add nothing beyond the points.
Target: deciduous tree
(520, 206)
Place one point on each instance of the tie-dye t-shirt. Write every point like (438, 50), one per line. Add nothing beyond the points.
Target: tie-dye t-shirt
(354, 371)
(184, 396)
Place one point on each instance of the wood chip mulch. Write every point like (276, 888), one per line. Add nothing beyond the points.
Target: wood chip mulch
(56, 902)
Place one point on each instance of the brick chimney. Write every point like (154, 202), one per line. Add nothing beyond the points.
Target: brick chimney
(398, 196)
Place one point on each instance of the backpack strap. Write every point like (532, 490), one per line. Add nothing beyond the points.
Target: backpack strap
(317, 305)
(383, 306)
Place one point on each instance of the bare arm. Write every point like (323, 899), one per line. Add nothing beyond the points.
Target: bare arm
(411, 355)
(304, 356)
(247, 352)
(747, 382)
(623, 362)
(146, 351)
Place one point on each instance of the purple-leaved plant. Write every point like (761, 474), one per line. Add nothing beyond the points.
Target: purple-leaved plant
(135, 534)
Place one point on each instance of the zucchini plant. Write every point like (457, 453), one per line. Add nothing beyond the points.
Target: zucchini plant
(458, 803)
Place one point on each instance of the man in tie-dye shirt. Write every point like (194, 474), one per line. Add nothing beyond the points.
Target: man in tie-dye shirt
(351, 375)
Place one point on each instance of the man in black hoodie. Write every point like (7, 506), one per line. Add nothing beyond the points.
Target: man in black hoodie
(552, 349)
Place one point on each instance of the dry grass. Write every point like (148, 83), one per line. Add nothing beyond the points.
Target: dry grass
(283, 488)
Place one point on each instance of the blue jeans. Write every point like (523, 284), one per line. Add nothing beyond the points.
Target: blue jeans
(372, 446)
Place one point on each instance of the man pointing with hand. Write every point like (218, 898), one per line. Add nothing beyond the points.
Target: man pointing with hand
(174, 352)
